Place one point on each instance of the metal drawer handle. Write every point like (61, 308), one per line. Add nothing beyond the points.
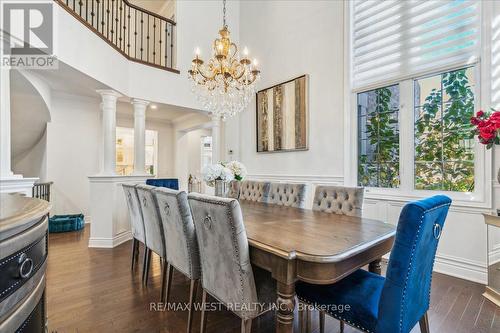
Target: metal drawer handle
(26, 266)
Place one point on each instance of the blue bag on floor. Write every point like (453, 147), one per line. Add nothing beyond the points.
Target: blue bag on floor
(64, 223)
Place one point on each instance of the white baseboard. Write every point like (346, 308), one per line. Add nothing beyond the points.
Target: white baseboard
(461, 268)
(87, 219)
(109, 243)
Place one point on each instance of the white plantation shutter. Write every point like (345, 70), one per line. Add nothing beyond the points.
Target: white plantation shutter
(397, 39)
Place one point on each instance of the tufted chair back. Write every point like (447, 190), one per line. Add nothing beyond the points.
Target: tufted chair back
(234, 189)
(406, 292)
(292, 195)
(152, 223)
(135, 213)
(178, 226)
(224, 252)
(254, 191)
(339, 200)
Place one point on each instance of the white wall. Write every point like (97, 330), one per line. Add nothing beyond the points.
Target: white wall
(165, 142)
(292, 38)
(182, 138)
(33, 163)
(73, 143)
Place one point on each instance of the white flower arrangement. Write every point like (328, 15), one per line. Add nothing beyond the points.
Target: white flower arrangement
(214, 172)
(238, 169)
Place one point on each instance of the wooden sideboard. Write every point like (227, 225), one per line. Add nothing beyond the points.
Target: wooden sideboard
(23, 260)
(492, 291)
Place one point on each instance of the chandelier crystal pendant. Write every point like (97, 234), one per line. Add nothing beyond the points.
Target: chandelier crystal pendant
(226, 83)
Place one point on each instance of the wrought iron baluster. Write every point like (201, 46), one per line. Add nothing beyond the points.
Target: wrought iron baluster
(92, 14)
(87, 10)
(107, 20)
(171, 45)
(142, 32)
(128, 32)
(166, 44)
(154, 40)
(147, 41)
(122, 21)
(135, 44)
(159, 47)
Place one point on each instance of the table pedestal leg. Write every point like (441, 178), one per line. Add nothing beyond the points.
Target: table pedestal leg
(286, 305)
(376, 266)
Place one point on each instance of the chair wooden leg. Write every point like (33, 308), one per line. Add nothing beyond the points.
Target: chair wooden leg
(203, 320)
(169, 277)
(321, 321)
(342, 325)
(147, 262)
(163, 280)
(424, 324)
(192, 296)
(376, 266)
(246, 325)
(134, 253)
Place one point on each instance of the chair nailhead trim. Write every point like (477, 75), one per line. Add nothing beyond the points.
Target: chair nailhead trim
(410, 266)
(338, 317)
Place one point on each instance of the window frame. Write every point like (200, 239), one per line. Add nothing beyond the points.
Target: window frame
(481, 197)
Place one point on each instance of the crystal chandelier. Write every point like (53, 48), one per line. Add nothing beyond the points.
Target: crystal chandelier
(226, 83)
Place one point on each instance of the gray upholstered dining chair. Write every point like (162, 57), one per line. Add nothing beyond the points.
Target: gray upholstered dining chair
(255, 191)
(136, 221)
(227, 274)
(181, 243)
(155, 237)
(284, 194)
(234, 189)
(339, 200)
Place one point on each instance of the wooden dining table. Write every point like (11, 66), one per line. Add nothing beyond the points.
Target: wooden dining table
(316, 247)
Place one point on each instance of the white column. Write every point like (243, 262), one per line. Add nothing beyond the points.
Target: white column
(5, 143)
(216, 139)
(108, 108)
(139, 136)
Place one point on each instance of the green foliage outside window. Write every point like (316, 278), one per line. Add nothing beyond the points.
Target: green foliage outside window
(378, 164)
(444, 141)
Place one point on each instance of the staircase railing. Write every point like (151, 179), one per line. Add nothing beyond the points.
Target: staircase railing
(138, 34)
(42, 191)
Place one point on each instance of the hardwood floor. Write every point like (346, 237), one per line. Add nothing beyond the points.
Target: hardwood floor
(93, 290)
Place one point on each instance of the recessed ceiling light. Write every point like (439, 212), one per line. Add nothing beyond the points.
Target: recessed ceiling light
(154, 106)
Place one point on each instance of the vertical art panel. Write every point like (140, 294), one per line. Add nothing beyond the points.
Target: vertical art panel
(282, 117)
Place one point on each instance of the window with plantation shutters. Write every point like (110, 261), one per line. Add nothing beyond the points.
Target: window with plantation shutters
(394, 40)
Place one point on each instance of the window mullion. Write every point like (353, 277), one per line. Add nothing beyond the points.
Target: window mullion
(406, 135)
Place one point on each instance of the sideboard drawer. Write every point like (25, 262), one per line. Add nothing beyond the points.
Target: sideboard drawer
(17, 268)
(30, 315)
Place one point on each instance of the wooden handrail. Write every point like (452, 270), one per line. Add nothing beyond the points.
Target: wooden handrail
(149, 12)
(138, 34)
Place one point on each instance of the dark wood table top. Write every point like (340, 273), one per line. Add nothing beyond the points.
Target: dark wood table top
(311, 236)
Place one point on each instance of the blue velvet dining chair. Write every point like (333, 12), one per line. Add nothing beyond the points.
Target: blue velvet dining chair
(172, 183)
(396, 303)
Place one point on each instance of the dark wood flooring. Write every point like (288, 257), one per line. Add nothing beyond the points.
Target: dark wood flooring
(93, 290)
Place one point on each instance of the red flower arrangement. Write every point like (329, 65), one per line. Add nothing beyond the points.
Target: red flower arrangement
(487, 127)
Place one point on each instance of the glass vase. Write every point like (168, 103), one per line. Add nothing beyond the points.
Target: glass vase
(220, 188)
